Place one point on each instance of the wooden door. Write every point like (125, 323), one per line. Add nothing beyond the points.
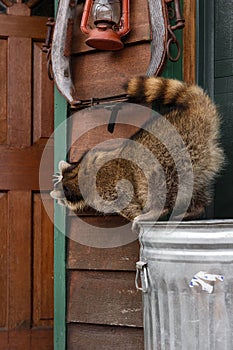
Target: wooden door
(26, 234)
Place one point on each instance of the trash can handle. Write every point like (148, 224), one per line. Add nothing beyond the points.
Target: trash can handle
(141, 271)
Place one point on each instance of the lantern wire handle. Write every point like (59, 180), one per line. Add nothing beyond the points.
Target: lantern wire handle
(125, 14)
(86, 13)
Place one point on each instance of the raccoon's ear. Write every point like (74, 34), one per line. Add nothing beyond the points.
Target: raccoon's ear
(63, 165)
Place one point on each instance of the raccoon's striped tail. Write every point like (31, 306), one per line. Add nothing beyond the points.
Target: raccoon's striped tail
(164, 91)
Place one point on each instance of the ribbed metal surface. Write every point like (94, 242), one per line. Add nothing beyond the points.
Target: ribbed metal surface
(177, 317)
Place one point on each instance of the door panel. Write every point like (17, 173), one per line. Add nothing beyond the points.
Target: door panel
(43, 263)
(3, 87)
(3, 258)
(42, 96)
(19, 92)
(19, 259)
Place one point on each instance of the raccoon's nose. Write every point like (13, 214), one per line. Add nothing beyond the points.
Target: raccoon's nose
(56, 194)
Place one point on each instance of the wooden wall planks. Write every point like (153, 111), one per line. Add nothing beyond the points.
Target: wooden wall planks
(83, 337)
(104, 73)
(86, 135)
(104, 309)
(87, 258)
(104, 297)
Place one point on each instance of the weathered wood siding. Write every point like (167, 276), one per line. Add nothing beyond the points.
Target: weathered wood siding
(104, 310)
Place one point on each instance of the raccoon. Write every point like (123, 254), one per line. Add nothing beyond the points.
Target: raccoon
(155, 185)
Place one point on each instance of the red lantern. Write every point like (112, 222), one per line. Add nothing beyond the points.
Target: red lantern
(111, 22)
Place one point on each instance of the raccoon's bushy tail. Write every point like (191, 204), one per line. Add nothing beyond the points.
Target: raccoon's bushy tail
(165, 91)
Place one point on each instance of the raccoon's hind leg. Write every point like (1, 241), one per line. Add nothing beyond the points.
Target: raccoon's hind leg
(197, 206)
(133, 210)
(155, 198)
(195, 214)
(152, 215)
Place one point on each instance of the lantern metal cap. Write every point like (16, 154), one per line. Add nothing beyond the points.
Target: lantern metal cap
(104, 39)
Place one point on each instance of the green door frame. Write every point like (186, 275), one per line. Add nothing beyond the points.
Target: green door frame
(60, 145)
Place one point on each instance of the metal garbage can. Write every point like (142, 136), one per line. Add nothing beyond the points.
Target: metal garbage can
(185, 273)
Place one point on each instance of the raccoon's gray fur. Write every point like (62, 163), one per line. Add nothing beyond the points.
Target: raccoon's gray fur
(196, 120)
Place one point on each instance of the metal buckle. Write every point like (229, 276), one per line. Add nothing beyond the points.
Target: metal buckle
(141, 269)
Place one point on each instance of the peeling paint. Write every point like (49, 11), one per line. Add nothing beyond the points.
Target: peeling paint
(125, 311)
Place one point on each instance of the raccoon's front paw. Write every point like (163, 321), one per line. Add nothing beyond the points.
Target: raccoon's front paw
(135, 227)
(152, 215)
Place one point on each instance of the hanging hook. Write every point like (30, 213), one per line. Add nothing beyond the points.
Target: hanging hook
(173, 40)
(179, 24)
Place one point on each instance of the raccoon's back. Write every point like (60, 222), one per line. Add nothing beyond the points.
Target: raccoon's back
(192, 114)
